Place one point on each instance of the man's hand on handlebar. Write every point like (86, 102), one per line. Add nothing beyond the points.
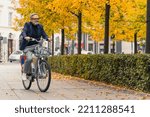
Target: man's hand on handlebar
(49, 39)
(27, 38)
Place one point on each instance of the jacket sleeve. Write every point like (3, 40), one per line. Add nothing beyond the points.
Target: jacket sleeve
(44, 35)
(25, 28)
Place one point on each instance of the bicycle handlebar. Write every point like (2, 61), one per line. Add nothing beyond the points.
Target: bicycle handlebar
(33, 39)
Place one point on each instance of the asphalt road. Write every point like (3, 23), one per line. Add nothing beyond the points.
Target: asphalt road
(62, 88)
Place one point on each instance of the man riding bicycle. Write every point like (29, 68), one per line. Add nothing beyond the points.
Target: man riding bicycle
(31, 30)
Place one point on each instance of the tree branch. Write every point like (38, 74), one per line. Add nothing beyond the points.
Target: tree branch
(72, 13)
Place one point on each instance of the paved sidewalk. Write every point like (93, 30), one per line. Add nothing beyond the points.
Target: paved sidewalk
(62, 87)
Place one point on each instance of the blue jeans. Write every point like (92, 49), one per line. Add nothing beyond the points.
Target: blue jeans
(27, 65)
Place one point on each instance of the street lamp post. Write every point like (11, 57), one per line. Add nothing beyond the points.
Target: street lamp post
(52, 43)
(135, 43)
(113, 43)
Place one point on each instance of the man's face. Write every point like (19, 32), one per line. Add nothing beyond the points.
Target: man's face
(35, 19)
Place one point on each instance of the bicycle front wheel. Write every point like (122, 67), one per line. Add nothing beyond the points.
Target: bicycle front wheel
(44, 76)
(27, 83)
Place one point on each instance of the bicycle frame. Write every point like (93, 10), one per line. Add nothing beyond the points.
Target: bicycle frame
(36, 64)
(36, 60)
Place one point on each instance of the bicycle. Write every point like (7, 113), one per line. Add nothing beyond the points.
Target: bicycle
(40, 69)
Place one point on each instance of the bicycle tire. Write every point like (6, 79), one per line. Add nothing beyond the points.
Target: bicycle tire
(46, 87)
(27, 84)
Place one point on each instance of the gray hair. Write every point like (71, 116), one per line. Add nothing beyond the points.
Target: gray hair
(31, 15)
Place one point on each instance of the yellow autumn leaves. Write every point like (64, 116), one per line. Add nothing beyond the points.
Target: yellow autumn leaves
(126, 17)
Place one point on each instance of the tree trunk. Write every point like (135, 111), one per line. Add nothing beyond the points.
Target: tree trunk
(148, 28)
(135, 43)
(62, 41)
(106, 39)
(79, 32)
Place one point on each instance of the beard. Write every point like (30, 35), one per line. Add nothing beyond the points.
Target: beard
(36, 23)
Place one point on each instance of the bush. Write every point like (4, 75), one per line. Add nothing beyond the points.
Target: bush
(130, 71)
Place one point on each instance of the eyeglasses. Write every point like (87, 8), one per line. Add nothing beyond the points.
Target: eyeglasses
(35, 18)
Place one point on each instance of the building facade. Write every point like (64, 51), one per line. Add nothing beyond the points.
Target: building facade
(9, 37)
(88, 44)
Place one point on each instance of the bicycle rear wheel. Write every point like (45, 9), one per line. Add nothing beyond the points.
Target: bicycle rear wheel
(44, 76)
(27, 83)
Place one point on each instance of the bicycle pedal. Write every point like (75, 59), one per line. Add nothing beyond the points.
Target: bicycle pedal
(29, 77)
(33, 80)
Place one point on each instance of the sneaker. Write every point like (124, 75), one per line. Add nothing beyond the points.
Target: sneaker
(23, 76)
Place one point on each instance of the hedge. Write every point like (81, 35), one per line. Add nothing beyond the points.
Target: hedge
(131, 71)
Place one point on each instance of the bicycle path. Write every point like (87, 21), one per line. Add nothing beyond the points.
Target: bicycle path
(62, 88)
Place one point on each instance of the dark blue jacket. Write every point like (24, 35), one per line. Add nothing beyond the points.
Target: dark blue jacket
(34, 31)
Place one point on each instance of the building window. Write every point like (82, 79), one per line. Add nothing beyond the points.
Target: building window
(10, 35)
(90, 48)
(10, 19)
(101, 48)
(0, 16)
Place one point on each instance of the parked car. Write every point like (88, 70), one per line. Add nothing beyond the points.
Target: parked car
(86, 52)
(15, 56)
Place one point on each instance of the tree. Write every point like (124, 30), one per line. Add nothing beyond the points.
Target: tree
(148, 28)
(106, 39)
(127, 18)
